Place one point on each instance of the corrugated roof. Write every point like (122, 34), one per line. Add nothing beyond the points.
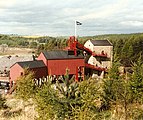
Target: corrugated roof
(101, 43)
(60, 55)
(32, 64)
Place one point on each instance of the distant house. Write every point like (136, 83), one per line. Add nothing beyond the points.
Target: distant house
(17, 69)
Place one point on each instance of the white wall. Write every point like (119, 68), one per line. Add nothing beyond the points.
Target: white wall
(89, 45)
(100, 62)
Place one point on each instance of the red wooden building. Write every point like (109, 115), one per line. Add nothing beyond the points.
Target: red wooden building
(58, 61)
(17, 69)
(50, 63)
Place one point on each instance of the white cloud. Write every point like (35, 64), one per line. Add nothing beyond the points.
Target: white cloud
(106, 10)
(132, 23)
(4, 4)
(7, 3)
(57, 17)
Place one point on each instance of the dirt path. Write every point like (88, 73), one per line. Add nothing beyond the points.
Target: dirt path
(18, 51)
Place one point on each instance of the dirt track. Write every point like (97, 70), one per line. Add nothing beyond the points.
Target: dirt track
(18, 51)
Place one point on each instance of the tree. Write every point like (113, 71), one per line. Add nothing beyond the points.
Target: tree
(4, 47)
(110, 85)
(40, 48)
(45, 100)
(57, 104)
(136, 83)
(25, 87)
(70, 100)
(90, 101)
(33, 44)
(2, 102)
(123, 96)
(127, 52)
(116, 92)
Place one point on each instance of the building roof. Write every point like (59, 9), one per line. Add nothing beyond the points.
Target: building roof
(101, 43)
(52, 55)
(32, 64)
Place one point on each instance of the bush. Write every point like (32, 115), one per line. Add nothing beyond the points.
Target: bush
(2, 102)
(57, 104)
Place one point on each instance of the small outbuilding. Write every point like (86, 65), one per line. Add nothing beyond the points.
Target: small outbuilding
(37, 66)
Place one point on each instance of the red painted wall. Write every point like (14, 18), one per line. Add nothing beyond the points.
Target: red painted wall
(15, 72)
(42, 57)
(40, 72)
(54, 67)
(58, 67)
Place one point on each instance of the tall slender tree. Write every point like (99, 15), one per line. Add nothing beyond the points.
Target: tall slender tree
(136, 83)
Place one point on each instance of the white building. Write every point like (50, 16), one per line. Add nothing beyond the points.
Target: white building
(99, 48)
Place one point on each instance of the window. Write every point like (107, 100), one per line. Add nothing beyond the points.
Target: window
(21, 73)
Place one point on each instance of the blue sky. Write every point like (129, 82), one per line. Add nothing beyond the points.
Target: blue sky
(56, 17)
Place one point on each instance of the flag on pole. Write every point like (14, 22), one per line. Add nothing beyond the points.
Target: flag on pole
(78, 23)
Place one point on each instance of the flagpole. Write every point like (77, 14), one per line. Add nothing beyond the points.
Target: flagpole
(75, 30)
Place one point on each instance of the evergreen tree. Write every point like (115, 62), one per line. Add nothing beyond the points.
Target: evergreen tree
(126, 53)
(2, 102)
(110, 85)
(90, 101)
(46, 103)
(25, 87)
(136, 83)
(59, 103)
(116, 93)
